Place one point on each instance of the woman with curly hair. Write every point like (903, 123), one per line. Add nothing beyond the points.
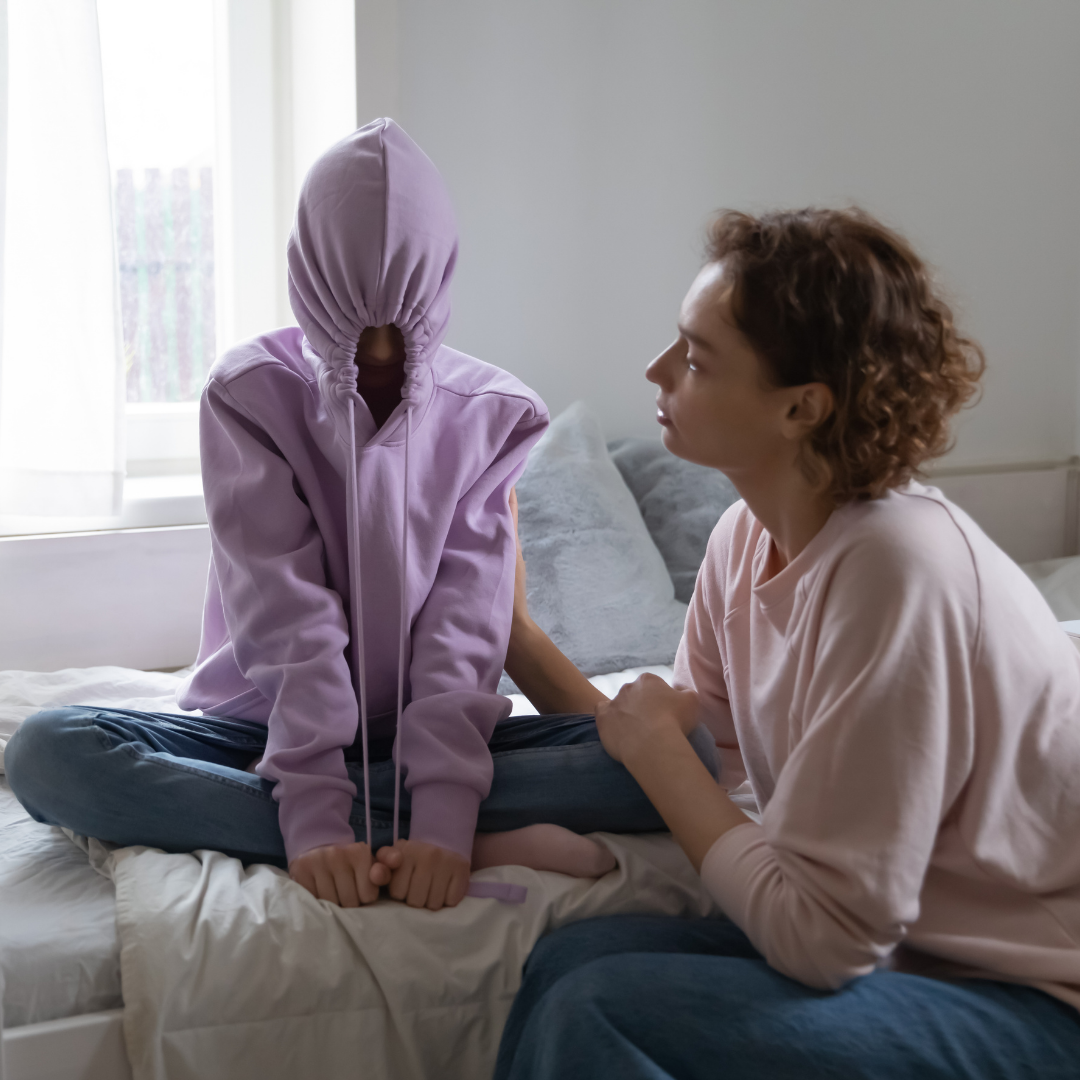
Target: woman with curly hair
(892, 699)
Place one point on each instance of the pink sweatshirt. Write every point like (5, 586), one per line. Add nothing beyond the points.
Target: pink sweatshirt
(907, 713)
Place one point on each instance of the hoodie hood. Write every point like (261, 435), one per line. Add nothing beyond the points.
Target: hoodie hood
(374, 244)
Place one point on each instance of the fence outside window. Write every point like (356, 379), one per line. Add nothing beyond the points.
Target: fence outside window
(165, 245)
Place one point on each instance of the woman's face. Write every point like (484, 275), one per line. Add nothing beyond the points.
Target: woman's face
(714, 400)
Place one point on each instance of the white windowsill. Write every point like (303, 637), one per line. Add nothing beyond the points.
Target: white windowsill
(162, 488)
(150, 502)
(154, 501)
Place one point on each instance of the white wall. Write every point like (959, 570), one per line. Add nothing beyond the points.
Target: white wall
(377, 52)
(131, 597)
(587, 143)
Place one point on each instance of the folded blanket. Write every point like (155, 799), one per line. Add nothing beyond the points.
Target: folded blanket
(231, 973)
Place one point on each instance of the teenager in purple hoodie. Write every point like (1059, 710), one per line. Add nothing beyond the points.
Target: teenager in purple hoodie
(358, 476)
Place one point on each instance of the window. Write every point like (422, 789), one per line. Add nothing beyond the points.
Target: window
(157, 62)
(158, 73)
(166, 139)
(214, 111)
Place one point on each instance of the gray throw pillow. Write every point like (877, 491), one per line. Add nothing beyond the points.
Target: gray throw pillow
(596, 583)
(681, 503)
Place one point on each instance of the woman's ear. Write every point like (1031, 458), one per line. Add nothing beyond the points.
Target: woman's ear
(808, 408)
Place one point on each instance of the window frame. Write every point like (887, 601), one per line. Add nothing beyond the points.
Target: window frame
(268, 83)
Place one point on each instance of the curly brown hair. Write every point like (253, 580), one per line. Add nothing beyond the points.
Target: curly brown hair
(833, 296)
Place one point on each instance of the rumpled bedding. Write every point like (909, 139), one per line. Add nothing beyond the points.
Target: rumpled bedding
(232, 973)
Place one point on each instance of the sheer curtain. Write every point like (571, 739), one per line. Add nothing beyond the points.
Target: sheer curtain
(61, 344)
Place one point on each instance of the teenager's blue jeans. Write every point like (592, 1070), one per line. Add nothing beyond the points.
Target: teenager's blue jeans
(178, 782)
(640, 997)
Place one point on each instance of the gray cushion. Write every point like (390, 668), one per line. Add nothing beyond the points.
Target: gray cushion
(679, 501)
(596, 583)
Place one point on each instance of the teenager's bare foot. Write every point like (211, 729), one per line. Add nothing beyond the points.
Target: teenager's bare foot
(543, 847)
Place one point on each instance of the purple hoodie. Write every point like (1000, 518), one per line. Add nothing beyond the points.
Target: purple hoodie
(314, 513)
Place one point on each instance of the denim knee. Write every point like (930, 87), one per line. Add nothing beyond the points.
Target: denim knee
(563, 1037)
(37, 758)
(558, 952)
(571, 947)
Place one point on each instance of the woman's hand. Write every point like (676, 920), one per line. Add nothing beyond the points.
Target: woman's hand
(643, 713)
(424, 875)
(344, 874)
(645, 728)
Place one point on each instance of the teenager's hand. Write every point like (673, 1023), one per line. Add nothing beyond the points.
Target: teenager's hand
(424, 875)
(521, 604)
(344, 874)
(642, 712)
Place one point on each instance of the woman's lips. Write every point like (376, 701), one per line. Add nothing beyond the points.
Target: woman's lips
(661, 418)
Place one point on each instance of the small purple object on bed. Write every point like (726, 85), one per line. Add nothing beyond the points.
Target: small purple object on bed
(498, 890)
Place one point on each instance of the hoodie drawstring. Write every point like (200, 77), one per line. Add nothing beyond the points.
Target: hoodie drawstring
(353, 513)
(403, 623)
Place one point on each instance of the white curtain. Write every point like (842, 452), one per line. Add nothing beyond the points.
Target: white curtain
(61, 347)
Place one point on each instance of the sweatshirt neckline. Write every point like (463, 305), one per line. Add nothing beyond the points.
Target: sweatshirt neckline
(782, 585)
(392, 433)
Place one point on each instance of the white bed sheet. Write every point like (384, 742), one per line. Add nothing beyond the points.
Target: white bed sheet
(59, 951)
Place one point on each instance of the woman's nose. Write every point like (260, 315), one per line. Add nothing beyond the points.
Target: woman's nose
(659, 369)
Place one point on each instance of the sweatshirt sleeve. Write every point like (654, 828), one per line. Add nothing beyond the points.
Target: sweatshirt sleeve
(827, 885)
(699, 666)
(699, 662)
(287, 626)
(459, 641)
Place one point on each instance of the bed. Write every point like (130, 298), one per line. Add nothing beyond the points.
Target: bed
(121, 964)
(61, 935)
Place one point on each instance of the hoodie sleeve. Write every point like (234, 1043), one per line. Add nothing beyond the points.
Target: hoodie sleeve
(288, 628)
(459, 642)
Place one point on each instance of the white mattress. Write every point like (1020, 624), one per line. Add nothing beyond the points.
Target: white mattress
(58, 945)
(59, 951)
